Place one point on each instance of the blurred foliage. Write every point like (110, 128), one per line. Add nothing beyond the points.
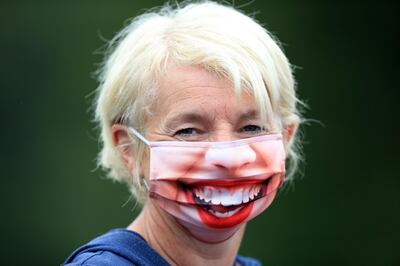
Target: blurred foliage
(343, 212)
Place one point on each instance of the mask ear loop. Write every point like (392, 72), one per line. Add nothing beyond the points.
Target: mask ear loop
(139, 136)
(146, 185)
(145, 141)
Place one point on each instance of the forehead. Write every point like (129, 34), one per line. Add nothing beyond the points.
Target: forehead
(192, 87)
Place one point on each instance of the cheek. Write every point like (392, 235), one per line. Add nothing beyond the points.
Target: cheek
(191, 161)
(263, 157)
(262, 204)
(193, 165)
(270, 153)
(175, 163)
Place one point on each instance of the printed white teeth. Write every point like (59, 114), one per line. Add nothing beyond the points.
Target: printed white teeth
(227, 197)
(215, 198)
(237, 197)
(198, 193)
(251, 194)
(225, 214)
(207, 194)
(246, 196)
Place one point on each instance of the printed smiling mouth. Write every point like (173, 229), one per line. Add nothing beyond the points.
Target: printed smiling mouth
(223, 201)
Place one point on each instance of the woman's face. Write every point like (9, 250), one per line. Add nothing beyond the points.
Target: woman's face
(195, 105)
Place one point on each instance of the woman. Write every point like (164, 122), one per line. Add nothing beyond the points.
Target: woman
(198, 115)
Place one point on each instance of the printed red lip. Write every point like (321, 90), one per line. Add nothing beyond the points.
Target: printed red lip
(217, 222)
(223, 216)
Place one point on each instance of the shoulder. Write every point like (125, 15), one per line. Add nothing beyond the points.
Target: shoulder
(117, 247)
(247, 261)
(99, 258)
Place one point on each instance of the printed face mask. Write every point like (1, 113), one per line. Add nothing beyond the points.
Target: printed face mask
(212, 188)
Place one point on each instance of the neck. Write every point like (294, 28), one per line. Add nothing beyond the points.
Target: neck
(176, 245)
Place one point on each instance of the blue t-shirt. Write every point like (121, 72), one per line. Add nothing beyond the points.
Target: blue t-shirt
(121, 247)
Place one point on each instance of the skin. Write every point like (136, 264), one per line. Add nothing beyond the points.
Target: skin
(223, 117)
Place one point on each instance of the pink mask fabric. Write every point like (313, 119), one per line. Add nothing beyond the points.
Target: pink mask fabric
(212, 188)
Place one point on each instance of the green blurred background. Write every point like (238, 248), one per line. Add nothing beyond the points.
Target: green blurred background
(344, 211)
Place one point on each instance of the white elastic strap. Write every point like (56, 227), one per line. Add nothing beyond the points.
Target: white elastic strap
(139, 136)
(146, 185)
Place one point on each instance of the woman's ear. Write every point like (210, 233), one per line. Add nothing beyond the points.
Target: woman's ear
(123, 143)
(289, 132)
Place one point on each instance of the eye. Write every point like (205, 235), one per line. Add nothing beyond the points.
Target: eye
(252, 129)
(187, 132)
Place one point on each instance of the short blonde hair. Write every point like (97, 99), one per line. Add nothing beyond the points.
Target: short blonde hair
(214, 36)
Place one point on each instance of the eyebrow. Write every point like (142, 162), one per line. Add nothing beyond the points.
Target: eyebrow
(250, 114)
(188, 117)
